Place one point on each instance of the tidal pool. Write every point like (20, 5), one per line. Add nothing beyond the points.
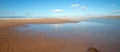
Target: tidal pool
(101, 33)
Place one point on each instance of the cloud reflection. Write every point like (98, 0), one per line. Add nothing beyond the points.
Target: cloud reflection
(56, 25)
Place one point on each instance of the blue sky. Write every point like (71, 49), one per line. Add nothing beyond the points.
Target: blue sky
(55, 8)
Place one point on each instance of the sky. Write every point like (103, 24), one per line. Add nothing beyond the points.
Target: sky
(56, 8)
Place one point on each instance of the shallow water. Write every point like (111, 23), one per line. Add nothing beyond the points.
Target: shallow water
(94, 26)
(101, 33)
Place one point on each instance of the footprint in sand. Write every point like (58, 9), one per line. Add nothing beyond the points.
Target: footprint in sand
(91, 49)
(6, 45)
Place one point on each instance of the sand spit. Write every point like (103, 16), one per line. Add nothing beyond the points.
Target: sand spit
(7, 23)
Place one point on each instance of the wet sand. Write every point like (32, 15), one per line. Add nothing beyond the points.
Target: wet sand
(15, 41)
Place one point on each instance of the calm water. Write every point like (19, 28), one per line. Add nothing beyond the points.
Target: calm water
(90, 27)
(101, 32)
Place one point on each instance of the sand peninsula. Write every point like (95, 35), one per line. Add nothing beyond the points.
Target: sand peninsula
(13, 22)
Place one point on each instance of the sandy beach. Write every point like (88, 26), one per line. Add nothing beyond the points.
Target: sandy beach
(15, 41)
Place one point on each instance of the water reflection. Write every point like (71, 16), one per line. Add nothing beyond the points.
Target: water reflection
(96, 27)
(56, 25)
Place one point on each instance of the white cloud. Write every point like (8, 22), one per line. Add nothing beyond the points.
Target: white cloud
(117, 11)
(57, 11)
(32, 13)
(83, 7)
(75, 5)
(112, 5)
(28, 12)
